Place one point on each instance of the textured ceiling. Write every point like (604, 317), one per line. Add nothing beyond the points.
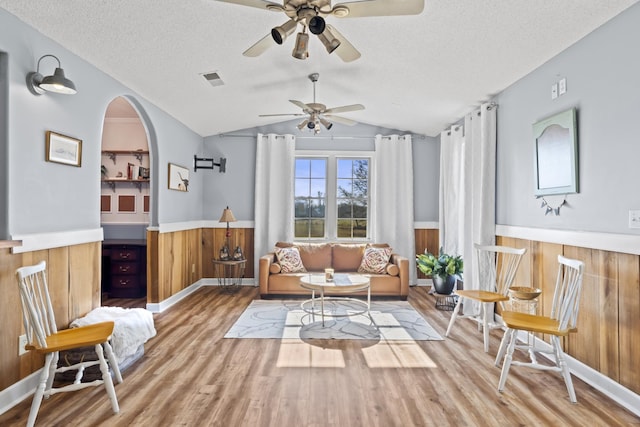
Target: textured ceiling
(416, 74)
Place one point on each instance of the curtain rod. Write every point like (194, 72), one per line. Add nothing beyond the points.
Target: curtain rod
(222, 135)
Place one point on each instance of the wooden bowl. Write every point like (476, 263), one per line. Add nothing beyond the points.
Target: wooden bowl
(523, 292)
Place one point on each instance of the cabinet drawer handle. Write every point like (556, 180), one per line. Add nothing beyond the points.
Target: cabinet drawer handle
(124, 282)
(124, 268)
(124, 255)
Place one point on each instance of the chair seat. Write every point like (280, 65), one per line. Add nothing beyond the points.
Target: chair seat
(534, 323)
(483, 296)
(75, 337)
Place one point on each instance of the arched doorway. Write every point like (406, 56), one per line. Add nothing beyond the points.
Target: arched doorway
(125, 203)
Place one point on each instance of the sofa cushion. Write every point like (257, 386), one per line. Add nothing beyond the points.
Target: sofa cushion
(375, 260)
(289, 260)
(315, 256)
(347, 257)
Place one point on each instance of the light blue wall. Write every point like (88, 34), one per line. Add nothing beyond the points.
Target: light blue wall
(48, 197)
(235, 188)
(603, 75)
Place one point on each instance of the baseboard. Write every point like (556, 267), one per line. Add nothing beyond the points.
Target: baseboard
(616, 391)
(159, 307)
(17, 392)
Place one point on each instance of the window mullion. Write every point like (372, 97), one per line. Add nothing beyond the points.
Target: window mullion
(332, 209)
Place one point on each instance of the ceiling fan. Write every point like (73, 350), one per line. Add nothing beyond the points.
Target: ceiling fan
(311, 15)
(319, 113)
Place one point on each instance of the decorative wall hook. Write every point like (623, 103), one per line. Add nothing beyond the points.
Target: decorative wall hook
(208, 163)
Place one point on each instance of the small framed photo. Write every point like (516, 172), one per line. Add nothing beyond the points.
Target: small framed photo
(178, 178)
(63, 149)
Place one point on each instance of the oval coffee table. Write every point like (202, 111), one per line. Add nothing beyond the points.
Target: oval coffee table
(342, 283)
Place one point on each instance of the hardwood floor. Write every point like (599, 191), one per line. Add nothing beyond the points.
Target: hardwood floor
(191, 376)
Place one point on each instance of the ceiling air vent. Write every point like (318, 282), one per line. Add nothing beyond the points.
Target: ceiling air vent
(213, 79)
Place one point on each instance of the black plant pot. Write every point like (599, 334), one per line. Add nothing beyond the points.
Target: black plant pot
(444, 285)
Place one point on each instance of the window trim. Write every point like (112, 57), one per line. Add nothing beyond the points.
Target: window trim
(331, 208)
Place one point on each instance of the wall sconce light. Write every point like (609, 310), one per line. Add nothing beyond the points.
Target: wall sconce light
(56, 82)
(208, 163)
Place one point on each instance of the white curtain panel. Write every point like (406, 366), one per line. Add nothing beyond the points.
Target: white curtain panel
(394, 197)
(467, 215)
(275, 163)
(451, 200)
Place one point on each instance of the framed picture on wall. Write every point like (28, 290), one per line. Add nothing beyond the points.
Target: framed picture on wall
(556, 154)
(178, 178)
(63, 149)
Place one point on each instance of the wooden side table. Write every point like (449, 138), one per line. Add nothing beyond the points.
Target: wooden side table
(229, 274)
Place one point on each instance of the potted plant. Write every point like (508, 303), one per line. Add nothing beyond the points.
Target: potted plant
(444, 270)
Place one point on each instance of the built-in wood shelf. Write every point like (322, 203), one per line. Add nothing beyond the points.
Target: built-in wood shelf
(112, 154)
(137, 182)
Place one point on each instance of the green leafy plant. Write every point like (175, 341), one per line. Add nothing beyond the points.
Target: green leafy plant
(442, 265)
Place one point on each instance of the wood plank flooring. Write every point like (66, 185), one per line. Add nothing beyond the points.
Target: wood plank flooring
(191, 376)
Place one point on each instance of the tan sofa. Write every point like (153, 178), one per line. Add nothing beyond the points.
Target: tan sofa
(343, 258)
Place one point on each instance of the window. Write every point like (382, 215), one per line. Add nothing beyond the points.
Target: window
(310, 198)
(332, 199)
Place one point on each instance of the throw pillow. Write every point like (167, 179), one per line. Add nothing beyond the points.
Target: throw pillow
(275, 268)
(289, 260)
(375, 260)
(392, 270)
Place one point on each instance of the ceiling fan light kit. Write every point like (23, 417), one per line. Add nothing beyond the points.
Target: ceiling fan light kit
(319, 114)
(281, 33)
(300, 48)
(311, 15)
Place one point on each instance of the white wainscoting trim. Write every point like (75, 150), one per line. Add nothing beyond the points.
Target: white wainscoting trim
(172, 227)
(624, 243)
(58, 239)
(237, 224)
(426, 225)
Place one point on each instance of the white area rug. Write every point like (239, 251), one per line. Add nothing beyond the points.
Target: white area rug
(390, 321)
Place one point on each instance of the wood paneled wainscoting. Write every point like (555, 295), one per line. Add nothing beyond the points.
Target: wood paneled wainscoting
(608, 337)
(73, 274)
(178, 259)
(426, 239)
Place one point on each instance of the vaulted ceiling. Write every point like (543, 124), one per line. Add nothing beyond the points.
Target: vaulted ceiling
(417, 73)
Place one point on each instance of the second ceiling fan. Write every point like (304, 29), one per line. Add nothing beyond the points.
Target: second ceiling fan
(318, 114)
(311, 15)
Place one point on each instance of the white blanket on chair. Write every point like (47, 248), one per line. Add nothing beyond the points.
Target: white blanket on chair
(132, 327)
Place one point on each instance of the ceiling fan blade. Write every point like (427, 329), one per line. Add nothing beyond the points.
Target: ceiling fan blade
(302, 105)
(260, 47)
(283, 114)
(345, 51)
(359, 9)
(260, 4)
(339, 119)
(345, 109)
